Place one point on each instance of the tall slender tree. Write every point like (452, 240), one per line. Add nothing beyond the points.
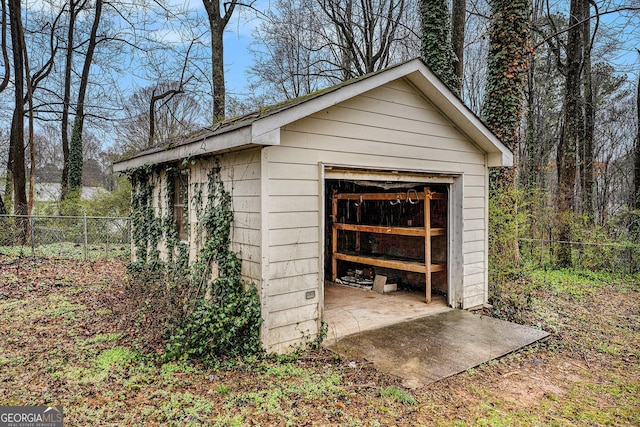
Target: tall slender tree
(458, 21)
(636, 152)
(218, 19)
(18, 167)
(587, 150)
(74, 7)
(75, 146)
(7, 69)
(573, 126)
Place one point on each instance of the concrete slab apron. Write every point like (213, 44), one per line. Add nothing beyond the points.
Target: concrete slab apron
(431, 348)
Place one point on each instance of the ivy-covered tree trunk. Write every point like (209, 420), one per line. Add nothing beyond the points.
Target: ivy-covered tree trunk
(502, 110)
(66, 98)
(436, 49)
(75, 148)
(506, 72)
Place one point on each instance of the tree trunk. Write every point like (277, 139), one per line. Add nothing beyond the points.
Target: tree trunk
(572, 129)
(506, 71)
(66, 100)
(502, 111)
(217, 72)
(17, 121)
(458, 20)
(3, 85)
(217, 24)
(636, 162)
(436, 49)
(32, 149)
(75, 148)
(586, 163)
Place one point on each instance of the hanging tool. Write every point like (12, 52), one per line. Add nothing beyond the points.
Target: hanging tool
(409, 193)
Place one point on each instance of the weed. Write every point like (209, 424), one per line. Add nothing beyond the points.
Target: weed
(114, 357)
(397, 394)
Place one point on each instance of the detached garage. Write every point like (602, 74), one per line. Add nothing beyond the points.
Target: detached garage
(385, 176)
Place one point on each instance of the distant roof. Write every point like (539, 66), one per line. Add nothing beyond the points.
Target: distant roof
(262, 127)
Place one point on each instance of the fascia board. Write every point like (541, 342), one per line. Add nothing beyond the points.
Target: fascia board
(453, 108)
(207, 145)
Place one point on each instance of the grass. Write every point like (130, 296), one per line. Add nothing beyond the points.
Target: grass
(63, 343)
(68, 250)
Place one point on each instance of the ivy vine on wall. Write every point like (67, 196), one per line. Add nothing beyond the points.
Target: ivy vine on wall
(221, 312)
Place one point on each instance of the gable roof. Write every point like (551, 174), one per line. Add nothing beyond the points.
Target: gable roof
(262, 127)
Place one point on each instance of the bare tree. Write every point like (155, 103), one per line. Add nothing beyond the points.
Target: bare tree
(7, 70)
(75, 146)
(362, 34)
(586, 148)
(175, 115)
(219, 16)
(17, 122)
(305, 45)
(289, 59)
(636, 152)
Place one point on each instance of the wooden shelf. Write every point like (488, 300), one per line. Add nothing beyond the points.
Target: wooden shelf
(385, 261)
(381, 261)
(400, 231)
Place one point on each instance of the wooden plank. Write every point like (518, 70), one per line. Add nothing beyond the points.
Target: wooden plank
(438, 232)
(438, 267)
(289, 220)
(415, 266)
(427, 246)
(334, 240)
(401, 231)
(292, 187)
(293, 236)
(402, 196)
(293, 251)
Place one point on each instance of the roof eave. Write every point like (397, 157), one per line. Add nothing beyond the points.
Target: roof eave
(209, 144)
(453, 108)
(267, 129)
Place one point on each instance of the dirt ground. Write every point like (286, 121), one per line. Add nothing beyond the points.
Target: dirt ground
(63, 342)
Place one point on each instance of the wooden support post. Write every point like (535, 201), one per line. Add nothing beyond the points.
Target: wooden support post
(334, 238)
(427, 243)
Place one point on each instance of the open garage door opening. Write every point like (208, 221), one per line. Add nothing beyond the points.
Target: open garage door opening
(386, 251)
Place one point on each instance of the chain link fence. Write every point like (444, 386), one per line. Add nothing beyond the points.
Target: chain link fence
(594, 256)
(66, 237)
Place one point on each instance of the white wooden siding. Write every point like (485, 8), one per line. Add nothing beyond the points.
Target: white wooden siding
(391, 127)
(240, 173)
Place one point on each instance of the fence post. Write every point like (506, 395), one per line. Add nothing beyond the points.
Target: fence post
(106, 248)
(33, 247)
(86, 240)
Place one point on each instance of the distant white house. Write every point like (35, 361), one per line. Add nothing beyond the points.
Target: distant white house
(50, 192)
(346, 181)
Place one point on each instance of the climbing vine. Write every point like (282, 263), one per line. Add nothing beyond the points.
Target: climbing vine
(436, 49)
(146, 230)
(220, 313)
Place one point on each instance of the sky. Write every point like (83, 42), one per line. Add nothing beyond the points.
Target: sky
(237, 40)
